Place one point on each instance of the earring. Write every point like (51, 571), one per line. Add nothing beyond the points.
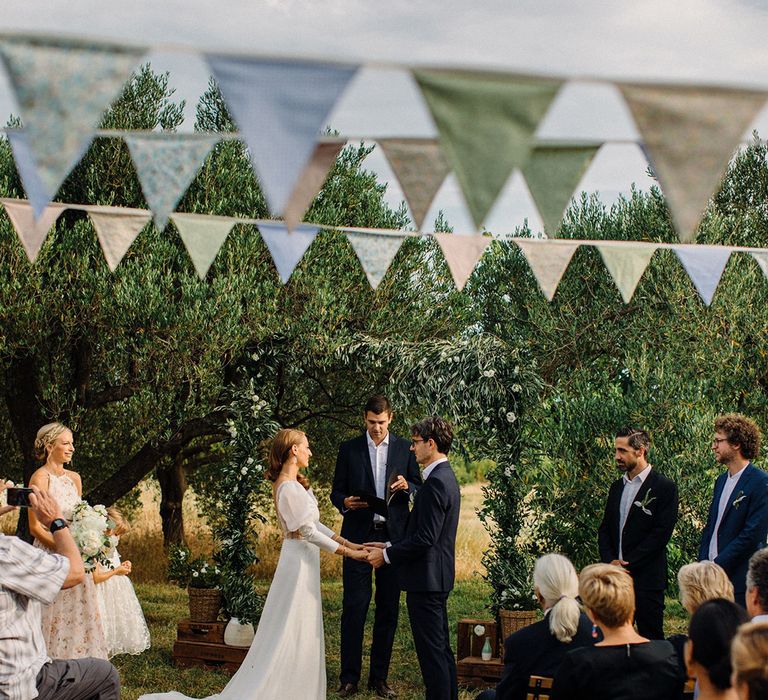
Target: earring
(594, 631)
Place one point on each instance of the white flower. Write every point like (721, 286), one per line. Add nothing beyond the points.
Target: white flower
(90, 543)
(508, 471)
(195, 574)
(517, 388)
(487, 419)
(244, 470)
(506, 297)
(489, 373)
(479, 630)
(249, 460)
(511, 417)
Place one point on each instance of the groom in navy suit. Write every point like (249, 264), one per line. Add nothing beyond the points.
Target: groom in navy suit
(737, 524)
(425, 558)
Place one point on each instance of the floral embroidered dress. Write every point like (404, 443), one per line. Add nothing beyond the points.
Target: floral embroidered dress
(71, 624)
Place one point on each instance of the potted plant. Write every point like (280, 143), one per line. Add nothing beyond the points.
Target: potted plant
(201, 578)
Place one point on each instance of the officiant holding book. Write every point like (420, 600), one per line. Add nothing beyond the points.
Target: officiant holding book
(374, 478)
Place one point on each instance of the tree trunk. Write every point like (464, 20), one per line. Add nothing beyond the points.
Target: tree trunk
(173, 485)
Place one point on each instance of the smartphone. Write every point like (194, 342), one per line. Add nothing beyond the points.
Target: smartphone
(18, 496)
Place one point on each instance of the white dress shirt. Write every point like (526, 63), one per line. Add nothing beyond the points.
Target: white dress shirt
(379, 454)
(631, 487)
(725, 499)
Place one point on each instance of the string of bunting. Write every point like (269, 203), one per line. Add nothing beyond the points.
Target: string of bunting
(203, 235)
(486, 122)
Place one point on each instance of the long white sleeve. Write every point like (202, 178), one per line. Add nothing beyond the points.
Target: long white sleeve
(298, 509)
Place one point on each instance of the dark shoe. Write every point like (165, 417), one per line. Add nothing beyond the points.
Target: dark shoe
(347, 690)
(382, 688)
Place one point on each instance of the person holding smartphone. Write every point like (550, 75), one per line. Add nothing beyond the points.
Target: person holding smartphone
(30, 578)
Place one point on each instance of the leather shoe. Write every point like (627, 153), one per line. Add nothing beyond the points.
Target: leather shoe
(347, 690)
(382, 688)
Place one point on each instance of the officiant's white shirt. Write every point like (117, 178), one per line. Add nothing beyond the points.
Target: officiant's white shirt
(379, 455)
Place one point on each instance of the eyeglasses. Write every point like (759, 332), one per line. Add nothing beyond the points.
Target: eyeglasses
(414, 441)
(717, 441)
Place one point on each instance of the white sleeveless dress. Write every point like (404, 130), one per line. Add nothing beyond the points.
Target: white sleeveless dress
(71, 624)
(287, 656)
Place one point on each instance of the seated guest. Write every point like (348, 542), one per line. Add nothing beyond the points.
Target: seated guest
(749, 658)
(757, 586)
(30, 578)
(708, 649)
(539, 648)
(624, 665)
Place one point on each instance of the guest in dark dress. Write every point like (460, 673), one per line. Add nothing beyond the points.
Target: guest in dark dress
(708, 649)
(749, 657)
(540, 648)
(624, 665)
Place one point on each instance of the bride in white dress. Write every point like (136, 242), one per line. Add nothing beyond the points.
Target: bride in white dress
(287, 655)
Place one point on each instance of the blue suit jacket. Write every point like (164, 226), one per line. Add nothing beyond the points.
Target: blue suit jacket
(744, 526)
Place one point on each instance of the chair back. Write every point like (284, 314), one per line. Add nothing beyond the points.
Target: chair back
(539, 688)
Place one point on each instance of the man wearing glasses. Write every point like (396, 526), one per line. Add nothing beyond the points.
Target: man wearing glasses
(737, 524)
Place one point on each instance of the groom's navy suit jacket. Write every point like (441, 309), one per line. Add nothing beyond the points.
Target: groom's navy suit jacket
(645, 537)
(744, 526)
(355, 473)
(426, 557)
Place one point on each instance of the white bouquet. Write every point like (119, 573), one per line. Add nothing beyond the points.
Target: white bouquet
(89, 527)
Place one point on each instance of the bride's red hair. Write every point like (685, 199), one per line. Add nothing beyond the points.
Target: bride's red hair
(280, 450)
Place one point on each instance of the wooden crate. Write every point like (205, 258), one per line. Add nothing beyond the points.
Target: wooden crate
(202, 632)
(468, 643)
(208, 656)
(473, 671)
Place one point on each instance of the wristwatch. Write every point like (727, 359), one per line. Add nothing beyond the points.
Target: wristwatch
(58, 524)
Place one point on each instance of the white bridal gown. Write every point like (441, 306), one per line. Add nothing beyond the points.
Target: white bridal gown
(286, 660)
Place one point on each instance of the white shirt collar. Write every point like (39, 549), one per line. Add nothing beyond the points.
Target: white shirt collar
(371, 443)
(428, 469)
(643, 475)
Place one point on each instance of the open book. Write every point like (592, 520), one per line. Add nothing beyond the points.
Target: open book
(379, 505)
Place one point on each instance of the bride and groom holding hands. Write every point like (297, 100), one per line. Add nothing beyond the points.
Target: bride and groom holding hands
(404, 548)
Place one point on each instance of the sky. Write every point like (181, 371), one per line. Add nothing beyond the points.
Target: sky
(587, 42)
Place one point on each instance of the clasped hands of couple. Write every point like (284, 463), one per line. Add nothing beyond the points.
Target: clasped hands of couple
(373, 551)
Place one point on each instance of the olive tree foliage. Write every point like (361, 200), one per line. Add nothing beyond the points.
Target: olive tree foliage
(664, 362)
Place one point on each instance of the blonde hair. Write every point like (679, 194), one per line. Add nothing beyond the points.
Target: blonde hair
(608, 592)
(702, 581)
(284, 440)
(558, 584)
(45, 438)
(749, 658)
(121, 524)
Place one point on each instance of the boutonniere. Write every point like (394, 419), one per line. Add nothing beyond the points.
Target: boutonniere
(647, 500)
(739, 499)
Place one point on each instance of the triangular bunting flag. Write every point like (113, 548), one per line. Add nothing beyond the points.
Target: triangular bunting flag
(704, 265)
(280, 107)
(375, 253)
(548, 260)
(62, 88)
(486, 123)
(286, 248)
(202, 236)
(420, 168)
(626, 264)
(690, 133)
(166, 164)
(552, 173)
(462, 253)
(31, 232)
(762, 260)
(311, 180)
(117, 229)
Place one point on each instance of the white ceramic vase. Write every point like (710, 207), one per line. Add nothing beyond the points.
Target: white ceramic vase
(237, 634)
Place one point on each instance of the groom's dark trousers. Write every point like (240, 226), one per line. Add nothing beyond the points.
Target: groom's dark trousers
(355, 473)
(425, 564)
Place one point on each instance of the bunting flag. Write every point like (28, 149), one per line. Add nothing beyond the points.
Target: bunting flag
(117, 229)
(62, 88)
(704, 265)
(462, 253)
(280, 107)
(548, 261)
(420, 167)
(690, 133)
(626, 264)
(311, 180)
(286, 247)
(166, 164)
(203, 236)
(31, 231)
(552, 174)
(375, 252)
(762, 260)
(486, 123)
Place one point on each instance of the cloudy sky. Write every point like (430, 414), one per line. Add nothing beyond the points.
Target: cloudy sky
(708, 41)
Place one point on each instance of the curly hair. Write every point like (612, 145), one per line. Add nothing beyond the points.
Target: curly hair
(742, 431)
(45, 438)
